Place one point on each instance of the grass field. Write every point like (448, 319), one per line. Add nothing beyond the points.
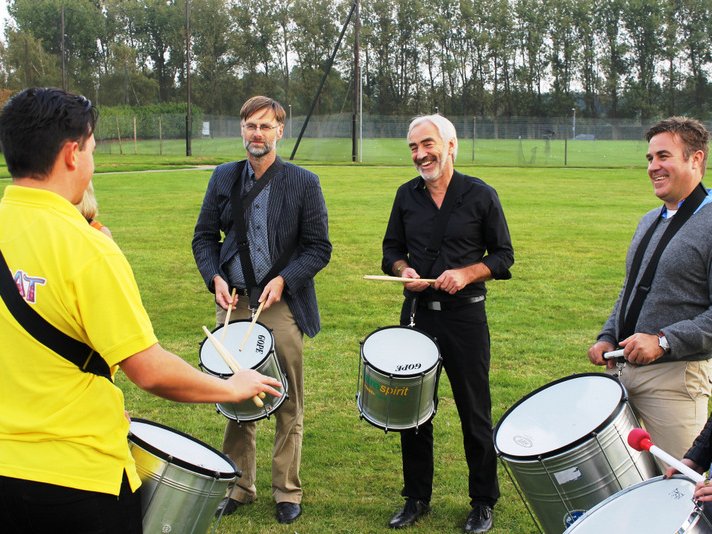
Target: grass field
(486, 152)
(570, 229)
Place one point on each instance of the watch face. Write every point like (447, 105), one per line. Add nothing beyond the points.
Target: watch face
(663, 342)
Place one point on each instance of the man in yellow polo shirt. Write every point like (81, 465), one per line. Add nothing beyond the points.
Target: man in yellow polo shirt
(64, 456)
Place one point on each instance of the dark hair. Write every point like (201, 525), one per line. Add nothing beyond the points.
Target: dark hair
(257, 103)
(692, 132)
(37, 122)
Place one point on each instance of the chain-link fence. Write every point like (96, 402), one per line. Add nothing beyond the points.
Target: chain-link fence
(535, 141)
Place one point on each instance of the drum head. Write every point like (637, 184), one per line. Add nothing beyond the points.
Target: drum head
(400, 351)
(257, 348)
(180, 449)
(559, 415)
(656, 505)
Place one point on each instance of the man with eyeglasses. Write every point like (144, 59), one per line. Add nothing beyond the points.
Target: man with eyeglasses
(274, 221)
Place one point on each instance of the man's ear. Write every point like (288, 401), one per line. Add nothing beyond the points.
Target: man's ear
(698, 160)
(69, 154)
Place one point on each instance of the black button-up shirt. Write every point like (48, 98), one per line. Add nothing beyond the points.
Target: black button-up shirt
(476, 231)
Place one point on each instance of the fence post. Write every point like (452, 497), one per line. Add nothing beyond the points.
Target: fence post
(474, 135)
(134, 130)
(118, 134)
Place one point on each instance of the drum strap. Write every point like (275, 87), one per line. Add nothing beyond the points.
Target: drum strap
(629, 320)
(432, 250)
(239, 206)
(80, 354)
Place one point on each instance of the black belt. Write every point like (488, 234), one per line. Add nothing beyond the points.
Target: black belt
(241, 291)
(436, 305)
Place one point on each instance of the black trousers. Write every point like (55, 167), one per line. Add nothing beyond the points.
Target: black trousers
(463, 337)
(28, 507)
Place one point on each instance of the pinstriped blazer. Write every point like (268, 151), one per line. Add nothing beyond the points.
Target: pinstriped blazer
(296, 213)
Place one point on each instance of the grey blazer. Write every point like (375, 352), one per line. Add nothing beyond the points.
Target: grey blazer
(296, 213)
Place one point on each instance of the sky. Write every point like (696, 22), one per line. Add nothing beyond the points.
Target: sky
(3, 18)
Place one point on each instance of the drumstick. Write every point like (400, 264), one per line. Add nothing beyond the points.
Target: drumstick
(384, 278)
(613, 354)
(639, 439)
(229, 360)
(252, 325)
(227, 316)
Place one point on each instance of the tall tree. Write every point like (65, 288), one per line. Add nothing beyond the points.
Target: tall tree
(211, 25)
(694, 18)
(532, 32)
(613, 60)
(83, 27)
(642, 20)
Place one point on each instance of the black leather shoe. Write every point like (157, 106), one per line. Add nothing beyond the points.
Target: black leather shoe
(411, 512)
(287, 512)
(227, 506)
(480, 519)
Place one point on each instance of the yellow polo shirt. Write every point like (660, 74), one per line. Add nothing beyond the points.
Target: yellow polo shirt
(59, 425)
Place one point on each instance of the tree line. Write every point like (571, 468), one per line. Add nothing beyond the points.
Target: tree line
(604, 58)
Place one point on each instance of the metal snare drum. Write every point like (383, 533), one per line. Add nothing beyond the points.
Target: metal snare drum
(398, 378)
(656, 505)
(565, 444)
(182, 479)
(259, 354)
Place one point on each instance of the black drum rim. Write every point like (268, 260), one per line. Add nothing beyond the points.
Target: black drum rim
(179, 461)
(573, 444)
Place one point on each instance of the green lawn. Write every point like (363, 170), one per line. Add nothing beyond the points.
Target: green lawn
(570, 229)
(487, 152)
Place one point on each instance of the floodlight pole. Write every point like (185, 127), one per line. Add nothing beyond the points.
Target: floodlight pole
(573, 127)
(189, 111)
(357, 85)
(64, 66)
(323, 80)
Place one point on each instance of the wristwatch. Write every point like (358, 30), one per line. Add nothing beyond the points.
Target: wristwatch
(663, 342)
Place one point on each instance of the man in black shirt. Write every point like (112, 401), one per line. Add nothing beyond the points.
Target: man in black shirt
(475, 247)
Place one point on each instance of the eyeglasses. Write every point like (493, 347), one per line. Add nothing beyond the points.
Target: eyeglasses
(250, 127)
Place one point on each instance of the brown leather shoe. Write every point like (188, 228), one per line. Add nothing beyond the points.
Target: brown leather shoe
(413, 510)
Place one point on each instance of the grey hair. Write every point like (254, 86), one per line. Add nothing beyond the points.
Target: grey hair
(444, 126)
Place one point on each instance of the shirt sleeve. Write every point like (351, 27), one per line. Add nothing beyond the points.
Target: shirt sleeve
(110, 307)
(500, 253)
(394, 247)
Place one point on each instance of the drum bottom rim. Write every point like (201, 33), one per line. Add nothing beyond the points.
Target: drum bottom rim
(394, 428)
(280, 400)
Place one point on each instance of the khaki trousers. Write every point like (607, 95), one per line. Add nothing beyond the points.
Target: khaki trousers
(239, 440)
(670, 400)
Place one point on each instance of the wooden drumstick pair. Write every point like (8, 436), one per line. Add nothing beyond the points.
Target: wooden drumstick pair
(225, 354)
(249, 329)
(230, 361)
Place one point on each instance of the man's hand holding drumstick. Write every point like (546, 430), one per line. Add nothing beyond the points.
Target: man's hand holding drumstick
(222, 293)
(272, 292)
(401, 268)
(450, 281)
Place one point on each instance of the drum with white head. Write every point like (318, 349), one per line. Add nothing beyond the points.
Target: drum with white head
(259, 353)
(655, 505)
(398, 378)
(182, 479)
(565, 445)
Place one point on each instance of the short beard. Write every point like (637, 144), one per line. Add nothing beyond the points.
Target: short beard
(258, 152)
(441, 166)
